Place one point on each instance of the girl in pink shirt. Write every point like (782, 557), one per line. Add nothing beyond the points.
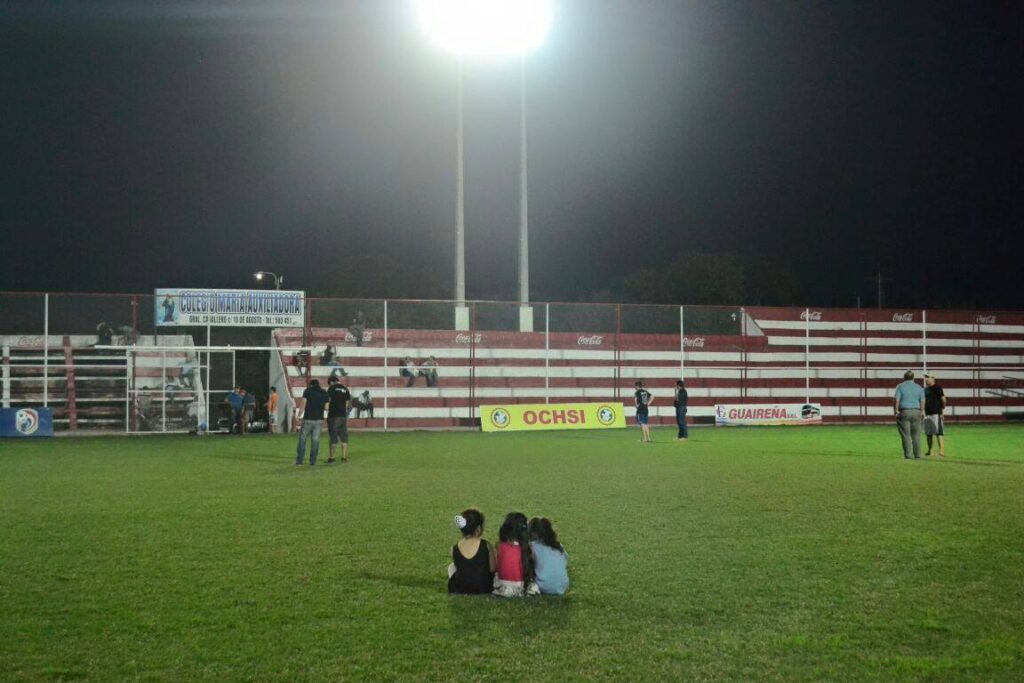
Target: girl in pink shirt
(514, 567)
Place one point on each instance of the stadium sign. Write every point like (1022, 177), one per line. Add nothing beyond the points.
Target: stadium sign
(26, 422)
(729, 415)
(230, 307)
(534, 417)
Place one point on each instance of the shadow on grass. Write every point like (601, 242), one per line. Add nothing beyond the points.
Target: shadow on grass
(526, 617)
(242, 457)
(418, 581)
(983, 462)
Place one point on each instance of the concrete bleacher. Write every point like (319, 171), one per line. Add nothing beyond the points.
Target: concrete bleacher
(849, 360)
(97, 389)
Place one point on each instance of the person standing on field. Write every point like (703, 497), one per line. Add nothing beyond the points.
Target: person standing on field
(908, 404)
(311, 406)
(337, 417)
(643, 399)
(934, 407)
(681, 403)
(272, 410)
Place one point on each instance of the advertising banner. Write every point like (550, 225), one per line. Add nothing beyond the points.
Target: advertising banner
(230, 307)
(727, 415)
(537, 416)
(26, 422)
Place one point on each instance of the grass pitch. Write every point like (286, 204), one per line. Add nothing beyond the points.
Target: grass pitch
(769, 554)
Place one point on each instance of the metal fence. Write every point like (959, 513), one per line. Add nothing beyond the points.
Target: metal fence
(102, 361)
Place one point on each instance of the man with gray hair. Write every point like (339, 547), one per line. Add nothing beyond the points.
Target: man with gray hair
(908, 404)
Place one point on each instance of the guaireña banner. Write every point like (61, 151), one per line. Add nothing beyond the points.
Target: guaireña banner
(230, 307)
(729, 414)
(537, 416)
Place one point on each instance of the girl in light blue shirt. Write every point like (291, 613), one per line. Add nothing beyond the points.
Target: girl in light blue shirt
(550, 565)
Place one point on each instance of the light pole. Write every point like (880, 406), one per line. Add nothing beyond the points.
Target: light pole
(488, 28)
(260, 274)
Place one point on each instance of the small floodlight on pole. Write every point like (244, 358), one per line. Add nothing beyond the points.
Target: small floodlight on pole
(488, 28)
(278, 280)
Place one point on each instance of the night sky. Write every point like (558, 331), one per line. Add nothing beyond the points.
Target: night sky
(187, 144)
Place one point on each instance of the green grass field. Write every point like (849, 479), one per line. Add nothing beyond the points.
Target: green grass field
(770, 554)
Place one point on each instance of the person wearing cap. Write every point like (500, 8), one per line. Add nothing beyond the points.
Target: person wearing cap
(908, 404)
(934, 406)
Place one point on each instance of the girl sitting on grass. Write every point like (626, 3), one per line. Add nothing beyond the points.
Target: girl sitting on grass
(514, 567)
(472, 569)
(549, 558)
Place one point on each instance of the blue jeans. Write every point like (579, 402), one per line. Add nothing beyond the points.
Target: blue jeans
(681, 421)
(310, 428)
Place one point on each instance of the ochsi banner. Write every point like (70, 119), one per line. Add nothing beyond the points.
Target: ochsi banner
(529, 417)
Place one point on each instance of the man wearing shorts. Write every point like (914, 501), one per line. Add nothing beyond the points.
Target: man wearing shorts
(272, 410)
(934, 406)
(643, 399)
(337, 417)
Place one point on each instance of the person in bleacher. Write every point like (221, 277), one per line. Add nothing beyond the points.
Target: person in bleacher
(908, 404)
(358, 327)
(363, 403)
(428, 370)
(409, 371)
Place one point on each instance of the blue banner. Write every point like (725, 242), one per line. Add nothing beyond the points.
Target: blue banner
(26, 422)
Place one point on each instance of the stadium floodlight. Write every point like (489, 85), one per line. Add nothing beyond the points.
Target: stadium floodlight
(488, 28)
(260, 274)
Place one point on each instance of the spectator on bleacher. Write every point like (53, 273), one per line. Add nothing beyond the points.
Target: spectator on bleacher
(358, 327)
(104, 334)
(934, 406)
(235, 400)
(128, 332)
(187, 375)
(681, 404)
(248, 409)
(272, 410)
(908, 404)
(301, 360)
(429, 370)
(311, 407)
(328, 357)
(409, 370)
(362, 403)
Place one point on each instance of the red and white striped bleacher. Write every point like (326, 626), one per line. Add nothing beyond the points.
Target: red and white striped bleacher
(849, 360)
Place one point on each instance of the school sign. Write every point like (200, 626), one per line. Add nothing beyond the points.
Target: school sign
(230, 307)
(539, 416)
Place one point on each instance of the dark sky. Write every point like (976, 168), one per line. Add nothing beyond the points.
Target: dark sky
(189, 143)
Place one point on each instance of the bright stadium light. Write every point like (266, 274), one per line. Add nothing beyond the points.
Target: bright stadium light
(486, 27)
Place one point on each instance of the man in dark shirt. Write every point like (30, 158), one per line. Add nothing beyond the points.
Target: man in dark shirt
(934, 406)
(681, 403)
(337, 417)
(235, 400)
(311, 405)
(643, 399)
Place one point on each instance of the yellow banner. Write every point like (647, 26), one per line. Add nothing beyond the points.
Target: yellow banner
(536, 416)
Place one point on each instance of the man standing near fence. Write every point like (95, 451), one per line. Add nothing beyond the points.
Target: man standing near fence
(272, 410)
(934, 406)
(311, 405)
(908, 404)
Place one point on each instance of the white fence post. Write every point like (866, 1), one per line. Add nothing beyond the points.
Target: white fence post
(46, 350)
(385, 365)
(682, 344)
(807, 355)
(547, 353)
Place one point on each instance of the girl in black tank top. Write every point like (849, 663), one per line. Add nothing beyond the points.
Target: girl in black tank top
(471, 575)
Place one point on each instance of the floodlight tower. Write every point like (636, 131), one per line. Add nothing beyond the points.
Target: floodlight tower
(488, 28)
